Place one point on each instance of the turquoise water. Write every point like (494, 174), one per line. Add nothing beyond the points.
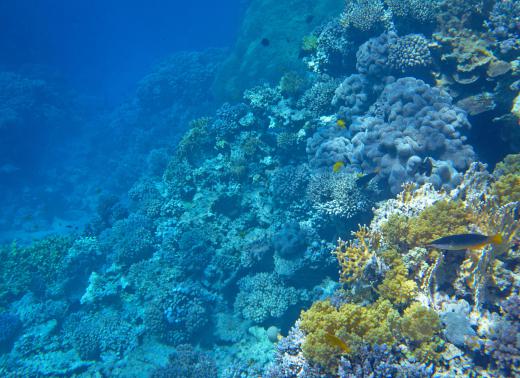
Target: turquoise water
(260, 189)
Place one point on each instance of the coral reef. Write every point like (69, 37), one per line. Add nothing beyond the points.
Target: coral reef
(410, 122)
(217, 228)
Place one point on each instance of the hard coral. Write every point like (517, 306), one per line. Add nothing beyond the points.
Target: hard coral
(364, 15)
(409, 53)
(410, 122)
(353, 256)
(186, 362)
(263, 296)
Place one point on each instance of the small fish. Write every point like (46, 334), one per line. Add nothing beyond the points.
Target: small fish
(464, 241)
(364, 180)
(337, 342)
(265, 42)
(426, 166)
(341, 123)
(337, 166)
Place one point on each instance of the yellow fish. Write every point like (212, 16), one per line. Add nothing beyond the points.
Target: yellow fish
(337, 166)
(341, 123)
(337, 342)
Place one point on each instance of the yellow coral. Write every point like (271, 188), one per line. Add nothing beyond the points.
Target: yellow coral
(353, 256)
(441, 219)
(419, 323)
(507, 188)
(396, 287)
(376, 323)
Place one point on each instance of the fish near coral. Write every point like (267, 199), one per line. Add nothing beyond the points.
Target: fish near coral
(364, 180)
(337, 166)
(341, 123)
(337, 342)
(464, 241)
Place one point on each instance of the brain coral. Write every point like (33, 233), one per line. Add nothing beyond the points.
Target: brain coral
(410, 122)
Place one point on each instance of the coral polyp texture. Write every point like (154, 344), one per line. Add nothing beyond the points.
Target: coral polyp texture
(352, 210)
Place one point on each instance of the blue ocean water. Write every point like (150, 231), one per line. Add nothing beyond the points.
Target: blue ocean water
(259, 188)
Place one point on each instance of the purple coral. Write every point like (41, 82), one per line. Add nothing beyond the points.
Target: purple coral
(503, 344)
(186, 362)
(372, 56)
(410, 122)
(380, 361)
(353, 96)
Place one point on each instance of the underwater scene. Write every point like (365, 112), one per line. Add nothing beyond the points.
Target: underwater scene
(260, 188)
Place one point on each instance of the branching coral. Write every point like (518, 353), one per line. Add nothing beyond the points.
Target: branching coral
(336, 195)
(409, 53)
(363, 15)
(353, 256)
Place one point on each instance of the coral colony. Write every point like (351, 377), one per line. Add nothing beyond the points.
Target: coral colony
(295, 231)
